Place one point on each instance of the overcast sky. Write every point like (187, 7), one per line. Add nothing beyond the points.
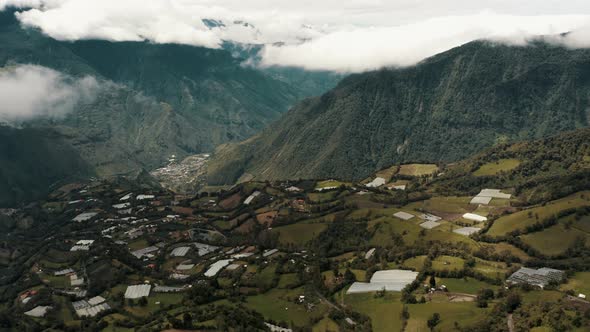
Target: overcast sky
(342, 35)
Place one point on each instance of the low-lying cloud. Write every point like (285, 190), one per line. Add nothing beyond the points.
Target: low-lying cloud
(338, 35)
(28, 92)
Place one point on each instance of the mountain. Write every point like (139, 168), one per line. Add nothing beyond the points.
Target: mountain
(158, 100)
(443, 109)
(32, 161)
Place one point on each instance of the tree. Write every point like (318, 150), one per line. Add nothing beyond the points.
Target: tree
(432, 281)
(513, 301)
(143, 301)
(405, 315)
(187, 321)
(349, 277)
(433, 321)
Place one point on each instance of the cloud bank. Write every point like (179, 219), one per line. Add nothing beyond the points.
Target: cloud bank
(343, 35)
(28, 92)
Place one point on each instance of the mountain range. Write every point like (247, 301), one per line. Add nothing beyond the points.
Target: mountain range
(444, 109)
(160, 99)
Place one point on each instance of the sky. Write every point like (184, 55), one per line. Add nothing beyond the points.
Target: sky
(337, 35)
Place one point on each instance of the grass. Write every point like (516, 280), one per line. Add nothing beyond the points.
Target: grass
(503, 248)
(415, 263)
(455, 205)
(579, 283)
(320, 197)
(288, 280)
(298, 234)
(519, 220)
(326, 325)
(466, 285)
(277, 305)
(385, 227)
(264, 278)
(493, 168)
(387, 173)
(417, 169)
(465, 313)
(557, 239)
(495, 270)
(329, 184)
(165, 299)
(447, 263)
(138, 244)
(384, 311)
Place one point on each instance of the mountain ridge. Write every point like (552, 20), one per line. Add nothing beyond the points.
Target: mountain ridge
(444, 109)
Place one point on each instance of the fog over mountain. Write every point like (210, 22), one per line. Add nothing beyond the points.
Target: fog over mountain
(347, 36)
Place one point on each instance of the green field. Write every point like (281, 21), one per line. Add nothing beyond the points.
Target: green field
(447, 263)
(465, 313)
(557, 239)
(466, 285)
(494, 270)
(579, 283)
(326, 325)
(164, 300)
(329, 184)
(387, 173)
(415, 263)
(456, 205)
(384, 311)
(493, 168)
(277, 304)
(519, 220)
(417, 169)
(299, 234)
(385, 227)
(288, 280)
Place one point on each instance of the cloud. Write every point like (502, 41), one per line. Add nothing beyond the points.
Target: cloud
(29, 91)
(340, 35)
(360, 49)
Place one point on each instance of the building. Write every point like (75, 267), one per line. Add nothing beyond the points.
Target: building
(541, 277)
(137, 291)
(389, 280)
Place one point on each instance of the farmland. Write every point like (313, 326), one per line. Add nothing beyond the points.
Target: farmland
(493, 168)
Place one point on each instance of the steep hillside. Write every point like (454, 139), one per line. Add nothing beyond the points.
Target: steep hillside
(539, 170)
(168, 99)
(444, 109)
(32, 160)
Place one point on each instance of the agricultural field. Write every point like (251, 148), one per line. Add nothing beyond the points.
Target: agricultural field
(298, 234)
(417, 169)
(557, 239)
(448, 263)
(464, 313)
(579, 283)
(329, 184)
(493, 168)
(519, 220)
(384, 311)
(281, 305)
(465, 285)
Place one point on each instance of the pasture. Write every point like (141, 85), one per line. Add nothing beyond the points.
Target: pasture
(495, 167)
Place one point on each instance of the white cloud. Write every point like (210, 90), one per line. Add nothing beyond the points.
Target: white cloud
(29, 91)
(361, 49)
(344, 35)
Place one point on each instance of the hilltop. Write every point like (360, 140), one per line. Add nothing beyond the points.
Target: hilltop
(444, 109)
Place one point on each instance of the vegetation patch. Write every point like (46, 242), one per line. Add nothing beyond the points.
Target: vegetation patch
(495, 167)
(417, 169)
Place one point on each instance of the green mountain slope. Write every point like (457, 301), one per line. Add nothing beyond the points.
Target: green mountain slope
(444, 109)
(32, 161)
(168, 99)
(538, 170)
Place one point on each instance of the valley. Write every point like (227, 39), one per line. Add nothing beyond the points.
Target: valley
(122, 254)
